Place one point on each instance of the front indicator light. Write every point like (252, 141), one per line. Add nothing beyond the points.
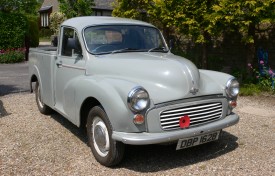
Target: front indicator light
(138, 119)
(233, 104)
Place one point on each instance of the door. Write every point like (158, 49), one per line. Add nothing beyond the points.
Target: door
(70, 64)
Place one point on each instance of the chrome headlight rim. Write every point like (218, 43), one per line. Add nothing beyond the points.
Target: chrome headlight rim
(135, 106)
(232, 94)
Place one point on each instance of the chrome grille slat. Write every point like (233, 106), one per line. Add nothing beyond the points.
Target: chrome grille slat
(186, 113)
(190, 108)
(215, 114)
(198, 114)
(199, 110)
(199, 120)
(176, 125)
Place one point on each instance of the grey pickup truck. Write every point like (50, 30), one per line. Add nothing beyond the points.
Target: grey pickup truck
(118, 79)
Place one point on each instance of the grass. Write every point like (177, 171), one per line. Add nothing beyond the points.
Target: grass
(45, 39)
(255, 89)
(250, 90)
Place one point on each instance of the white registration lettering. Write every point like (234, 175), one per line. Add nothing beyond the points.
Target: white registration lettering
(197, 140)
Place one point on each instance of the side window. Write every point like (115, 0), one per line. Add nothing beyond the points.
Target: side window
(70, 42)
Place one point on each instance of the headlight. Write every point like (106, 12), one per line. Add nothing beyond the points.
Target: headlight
(138, 99)
(232, 88)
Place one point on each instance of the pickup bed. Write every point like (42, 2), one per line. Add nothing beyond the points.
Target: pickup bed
(118, 79)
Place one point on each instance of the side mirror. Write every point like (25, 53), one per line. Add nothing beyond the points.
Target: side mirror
(54, 41)
(73, 43)
(171, 44)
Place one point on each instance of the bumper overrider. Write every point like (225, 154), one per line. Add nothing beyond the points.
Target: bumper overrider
(145, 138)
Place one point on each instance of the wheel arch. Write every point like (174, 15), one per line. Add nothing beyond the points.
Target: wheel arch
(34, 76)
(85, 108)
(33, 79)
(111, 95)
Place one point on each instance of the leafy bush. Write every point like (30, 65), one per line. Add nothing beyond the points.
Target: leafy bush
(265, 77)
(56, 19)
(215, 63)
(12, 55)
(13, 27)
(45, 33)
(33, 31)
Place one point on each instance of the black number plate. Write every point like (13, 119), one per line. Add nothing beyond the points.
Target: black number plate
(197, 140)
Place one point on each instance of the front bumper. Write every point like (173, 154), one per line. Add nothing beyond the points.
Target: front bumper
(170, 136)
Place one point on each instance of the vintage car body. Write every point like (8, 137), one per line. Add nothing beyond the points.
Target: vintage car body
(129, 95)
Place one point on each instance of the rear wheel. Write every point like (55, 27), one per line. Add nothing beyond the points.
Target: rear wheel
(106, 151)
(44, 109)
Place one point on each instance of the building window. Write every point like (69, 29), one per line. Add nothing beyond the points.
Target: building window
(107, 13)
(97, 12)
(44, 17)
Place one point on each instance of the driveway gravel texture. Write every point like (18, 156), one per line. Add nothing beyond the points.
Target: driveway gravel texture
(36, 144)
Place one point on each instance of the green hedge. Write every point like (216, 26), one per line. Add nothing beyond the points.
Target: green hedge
(45, 33)
(33, 31)
(13, 27)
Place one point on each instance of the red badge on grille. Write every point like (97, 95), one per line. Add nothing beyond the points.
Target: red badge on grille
(184, 121)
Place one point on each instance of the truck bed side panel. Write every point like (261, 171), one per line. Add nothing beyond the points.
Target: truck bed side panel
(42, 63)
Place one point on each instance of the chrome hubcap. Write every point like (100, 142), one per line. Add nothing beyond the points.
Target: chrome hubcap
(100, 137)
(39, 97)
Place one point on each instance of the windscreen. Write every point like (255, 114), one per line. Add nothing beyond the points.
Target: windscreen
(123, 38)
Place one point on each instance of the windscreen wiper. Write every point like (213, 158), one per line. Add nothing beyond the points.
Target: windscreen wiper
(162, 49)
(124, 49)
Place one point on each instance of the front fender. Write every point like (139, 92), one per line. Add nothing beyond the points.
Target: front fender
(112, 94)
(212, 82)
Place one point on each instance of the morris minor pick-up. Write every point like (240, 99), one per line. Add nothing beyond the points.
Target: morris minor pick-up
(117, 79)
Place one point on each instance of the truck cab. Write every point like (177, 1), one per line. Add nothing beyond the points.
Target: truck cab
(117, 78)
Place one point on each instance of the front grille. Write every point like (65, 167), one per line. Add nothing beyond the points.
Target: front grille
(199, 114)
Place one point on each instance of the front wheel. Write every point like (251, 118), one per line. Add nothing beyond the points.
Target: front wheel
(106, 151)
(44, 109)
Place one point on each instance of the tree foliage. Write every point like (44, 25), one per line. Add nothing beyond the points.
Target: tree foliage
(189, 17)
(204, 20)
(74, 8)
(56, 19)
(245, 16)
(195, 18)
(22, 6)
(186, 17)
(135, 9)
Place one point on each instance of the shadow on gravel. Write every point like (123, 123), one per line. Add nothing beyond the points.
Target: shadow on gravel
(154, 158)
(3, 111)
(8, 89)
(70, 126)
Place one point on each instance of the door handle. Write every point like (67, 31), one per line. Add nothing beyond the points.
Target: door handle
(59, 64)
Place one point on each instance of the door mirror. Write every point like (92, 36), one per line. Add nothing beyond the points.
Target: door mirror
(74, 44)
(171, 44)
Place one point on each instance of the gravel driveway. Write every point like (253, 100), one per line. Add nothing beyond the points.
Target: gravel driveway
(35, 144)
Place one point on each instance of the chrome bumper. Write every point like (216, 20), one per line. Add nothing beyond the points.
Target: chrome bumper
(169, 136)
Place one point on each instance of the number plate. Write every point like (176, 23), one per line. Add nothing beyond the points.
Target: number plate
(197, 140)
